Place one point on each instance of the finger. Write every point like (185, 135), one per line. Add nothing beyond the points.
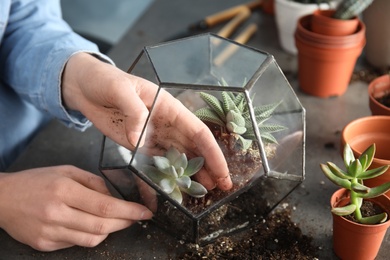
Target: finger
(103, 205)
(215, 162)
(76, 219)
(85, 178)
(136, 110)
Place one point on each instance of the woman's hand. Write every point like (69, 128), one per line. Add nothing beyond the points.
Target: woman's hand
(59, 207)
(118, 105)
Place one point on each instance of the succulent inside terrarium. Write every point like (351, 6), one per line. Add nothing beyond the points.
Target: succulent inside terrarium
(173, 172)
(230, 121)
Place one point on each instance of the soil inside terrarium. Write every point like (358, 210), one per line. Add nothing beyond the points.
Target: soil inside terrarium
(276, 237)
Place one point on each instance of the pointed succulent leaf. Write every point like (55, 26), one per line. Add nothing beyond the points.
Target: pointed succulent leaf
(359, 188)
(236, 117)
(373, 172)
(194, 165)
(223, 83)
(271, 128)
(367, 157)
(240, 101)
(180, 172)
(335, 179)
(338, 172)
(348, 156)
(245, 143)
(355, 168)
(180, 162)
(208, 115)
(376, 219)
(161, 163)
(343, 211)
(196, 190)
(228, 103)
(214, 103)
(153, 173)
(234, 128)
(172, 155)
(176, 195)
(268, 138)
(183, 182)
(167, 185)
(376, 191)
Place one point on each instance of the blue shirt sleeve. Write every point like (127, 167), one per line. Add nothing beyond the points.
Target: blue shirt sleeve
(35, 47)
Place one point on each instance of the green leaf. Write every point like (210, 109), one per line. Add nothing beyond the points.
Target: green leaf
(337, 171)
(355, 169)
(367, 157)
(377, 191)
(359, 188)
(214, 103)
(172, 154)
(245, 143)
(196, 190)
(183, 182)
(235, 117)
(167, 185)
(228, 103)
(180, 162)
(161, 163)
(153, 173)
(373, 173)
(176, 195)
(335, 179)
(343, 211)
(376, 219)
(194, 165)
(348, 156)
(208, 115)
(234, 128)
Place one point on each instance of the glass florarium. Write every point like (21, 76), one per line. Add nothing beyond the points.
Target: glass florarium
(244, 99)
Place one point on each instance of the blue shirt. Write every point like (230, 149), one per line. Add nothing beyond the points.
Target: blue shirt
(35, 44)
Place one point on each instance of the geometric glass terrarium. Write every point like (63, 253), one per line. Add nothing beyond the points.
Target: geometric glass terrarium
(242, 96)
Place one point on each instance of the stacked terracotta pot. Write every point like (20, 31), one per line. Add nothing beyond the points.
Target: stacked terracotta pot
(327, 52)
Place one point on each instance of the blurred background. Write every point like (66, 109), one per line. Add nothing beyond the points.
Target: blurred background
(103, 21)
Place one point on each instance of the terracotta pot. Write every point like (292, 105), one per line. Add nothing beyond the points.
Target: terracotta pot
(363, 132)
(376, 89)
(323, 23)
(356, 241)
(268, 6)
(326, 63)
(287, 14)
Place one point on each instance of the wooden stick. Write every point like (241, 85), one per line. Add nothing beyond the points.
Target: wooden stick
(242, 38)
(224, 15)
(228, 29)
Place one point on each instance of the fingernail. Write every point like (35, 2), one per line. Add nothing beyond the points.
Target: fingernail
(146, 214)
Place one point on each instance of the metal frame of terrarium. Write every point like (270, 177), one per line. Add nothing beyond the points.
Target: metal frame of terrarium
(270, 186)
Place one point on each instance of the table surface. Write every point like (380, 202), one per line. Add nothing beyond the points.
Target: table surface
(310, 202)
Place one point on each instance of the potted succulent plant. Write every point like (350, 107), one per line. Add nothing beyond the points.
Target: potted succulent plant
(323, 52)
(360, 213)
(248, 102)
(230, 121)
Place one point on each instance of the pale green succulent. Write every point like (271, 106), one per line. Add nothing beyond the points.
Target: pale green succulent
(232, 114)
(173, 172)
(352, 179)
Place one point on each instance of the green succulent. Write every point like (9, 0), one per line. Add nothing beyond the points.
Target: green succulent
(232, 114)
(352, 179)
(173, 172)
(348, 9)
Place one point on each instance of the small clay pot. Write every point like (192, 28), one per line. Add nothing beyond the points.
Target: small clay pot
(363, 132)
(356, 241)
(377, 89)
(323, 23)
